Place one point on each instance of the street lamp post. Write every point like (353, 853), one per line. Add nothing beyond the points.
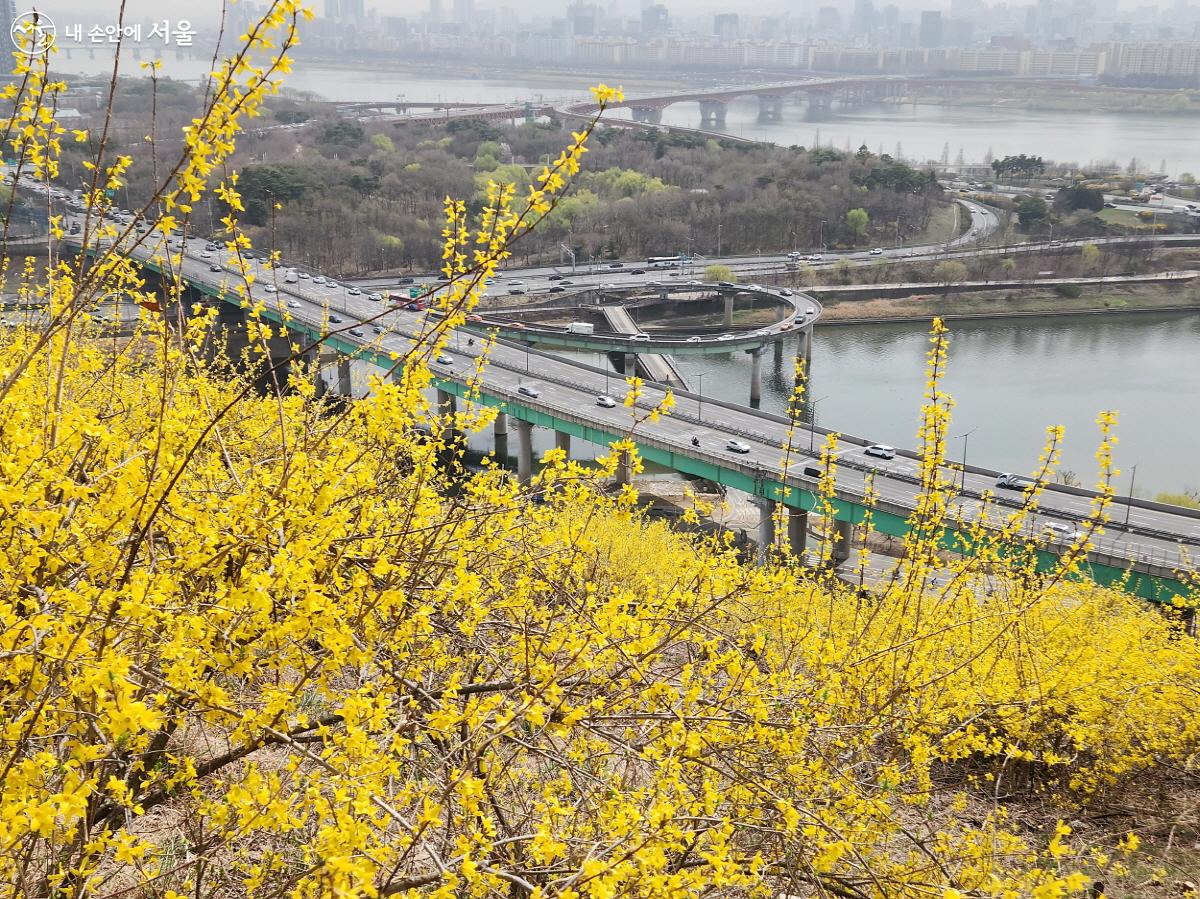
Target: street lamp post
(1129, 502)
(700, 395)
(821, 237)
(965, 438)
(812, 425)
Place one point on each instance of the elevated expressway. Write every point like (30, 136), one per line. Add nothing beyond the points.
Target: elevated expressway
(1146, 556)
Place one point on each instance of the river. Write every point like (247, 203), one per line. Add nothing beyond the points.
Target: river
(1011, 378)
(922, 130)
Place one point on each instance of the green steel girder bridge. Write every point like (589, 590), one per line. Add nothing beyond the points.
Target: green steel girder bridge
(1150, 557)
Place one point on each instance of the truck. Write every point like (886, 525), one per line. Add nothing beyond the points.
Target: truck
(411, 303)
(290, 276)
(581, 328)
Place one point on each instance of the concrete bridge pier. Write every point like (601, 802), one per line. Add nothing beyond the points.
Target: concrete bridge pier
(447, 403)
(624, 469)
(629, 365)
(279, 350)
(766, 530)
(345, 376)
(321, 358)
(649, 114)
(524, 452)
(562, 441)
(777, 349)
(755, 376)
(712, 112)
(797, 531)
(500, 436)
(804, 351)
(842, 534)
(728, 319)
(770, 107)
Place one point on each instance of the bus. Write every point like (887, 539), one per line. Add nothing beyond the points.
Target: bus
(667, 261)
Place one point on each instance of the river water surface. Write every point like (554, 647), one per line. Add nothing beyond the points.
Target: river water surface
(1011, 378)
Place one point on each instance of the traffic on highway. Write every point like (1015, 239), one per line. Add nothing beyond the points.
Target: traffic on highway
(725, 434)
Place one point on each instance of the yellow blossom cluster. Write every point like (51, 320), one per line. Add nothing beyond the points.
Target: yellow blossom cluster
(271, 646)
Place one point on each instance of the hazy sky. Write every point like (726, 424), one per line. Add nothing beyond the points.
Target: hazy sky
(208, 10)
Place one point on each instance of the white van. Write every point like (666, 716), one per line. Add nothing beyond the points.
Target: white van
(290, 276)
(1014, 482)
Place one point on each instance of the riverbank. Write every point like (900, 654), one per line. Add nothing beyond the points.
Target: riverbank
(1015, 303)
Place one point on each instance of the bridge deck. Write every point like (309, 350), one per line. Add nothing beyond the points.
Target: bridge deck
(1144, 556)
(655, 366)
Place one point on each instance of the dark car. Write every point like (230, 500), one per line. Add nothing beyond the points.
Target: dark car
(558, 289)
(358, 332)
(638, 271)
(405, 281)
(215, 268)
(516, 290)
(616, 265)
(336, 319)
(555, 278)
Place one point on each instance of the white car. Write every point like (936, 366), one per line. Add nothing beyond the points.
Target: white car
(881, 451)
(205, 255)
(878, 251)
(292, 304)
(528, 390)
(443, 359)
(354, 291)
(374, 297)
(1059, 531)
(516, 282)
(271, 288)
(319, 279)
(605, 402)
(736, 446)
(302, 275)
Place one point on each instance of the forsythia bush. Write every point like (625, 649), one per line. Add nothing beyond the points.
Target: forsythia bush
(268, 647)
(322, 672)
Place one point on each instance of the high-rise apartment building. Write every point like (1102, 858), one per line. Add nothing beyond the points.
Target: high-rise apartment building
(725, 26)
(931, 29)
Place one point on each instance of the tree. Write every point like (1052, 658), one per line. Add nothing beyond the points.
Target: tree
(843, 270)
(383, 143)
(857, 221)
(950, 271)
(1031, 211)
(1187, 178)
(718, 272)
(1020, 166)
(1079, 197)
(1089, 257)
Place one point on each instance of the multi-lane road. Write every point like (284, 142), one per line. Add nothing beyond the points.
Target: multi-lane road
(635, 273)
(699, 428)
